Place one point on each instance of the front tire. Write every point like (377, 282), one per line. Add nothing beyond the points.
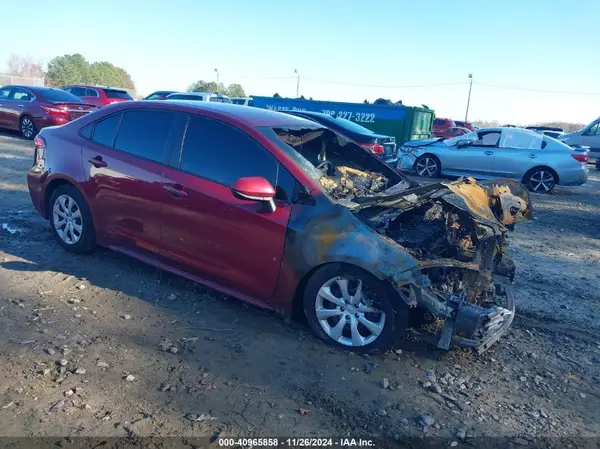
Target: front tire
(428, 166)
(352, 310)
(27, 127)
(540, 180)
(71, 220)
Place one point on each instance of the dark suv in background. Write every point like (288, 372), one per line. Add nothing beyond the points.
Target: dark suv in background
(99, 95)
(28, 109)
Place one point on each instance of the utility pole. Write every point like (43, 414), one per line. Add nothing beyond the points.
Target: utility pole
(217, 72)
(297, 83)
(469, 97)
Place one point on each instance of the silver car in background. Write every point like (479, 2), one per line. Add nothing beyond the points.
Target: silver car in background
(538, 161)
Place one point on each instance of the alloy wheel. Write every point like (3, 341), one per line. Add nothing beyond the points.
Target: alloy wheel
(426, 167)
(67, 219)
(541, 181)
(27, 127)
(347, 314)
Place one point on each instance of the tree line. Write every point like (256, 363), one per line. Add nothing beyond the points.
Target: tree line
(75, 69)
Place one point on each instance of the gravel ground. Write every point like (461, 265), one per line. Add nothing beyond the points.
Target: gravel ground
(103, 345)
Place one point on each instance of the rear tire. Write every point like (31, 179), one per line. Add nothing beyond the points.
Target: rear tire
(428, 166)
(359, 319)
(71, 220)
(27, 127)
(540, 180)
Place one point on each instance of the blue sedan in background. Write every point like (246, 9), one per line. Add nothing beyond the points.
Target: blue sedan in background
(538, 161)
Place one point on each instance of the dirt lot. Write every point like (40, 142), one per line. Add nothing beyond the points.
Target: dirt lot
(192, 354)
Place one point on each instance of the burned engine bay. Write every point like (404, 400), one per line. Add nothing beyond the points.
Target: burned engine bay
(456, 231)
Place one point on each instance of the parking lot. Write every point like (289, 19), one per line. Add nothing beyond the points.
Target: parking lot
(103, 345)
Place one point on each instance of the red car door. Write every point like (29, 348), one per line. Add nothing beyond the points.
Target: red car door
(205, 229)
(124, 160)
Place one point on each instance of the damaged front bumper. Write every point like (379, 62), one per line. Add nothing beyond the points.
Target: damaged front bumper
(465, 324)
(406, 161)
(457, 232)
(471, 325)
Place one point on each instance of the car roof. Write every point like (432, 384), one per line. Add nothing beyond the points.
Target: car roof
(249, 115)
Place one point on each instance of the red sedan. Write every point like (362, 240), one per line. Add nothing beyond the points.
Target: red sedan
(28, 109)
(281, 212)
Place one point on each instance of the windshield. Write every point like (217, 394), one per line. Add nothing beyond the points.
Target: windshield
(60, 96)
(471, 137)
(344, 170)
(116, 93)
(238, 101)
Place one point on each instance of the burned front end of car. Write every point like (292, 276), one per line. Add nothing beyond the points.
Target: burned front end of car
(457, 231)
(441, 246)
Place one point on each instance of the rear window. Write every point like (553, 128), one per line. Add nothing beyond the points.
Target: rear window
(60, 96)
(185, 97)
(438, 121)
(116, 93)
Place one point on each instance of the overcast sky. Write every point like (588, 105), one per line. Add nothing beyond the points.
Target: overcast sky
(336, 46)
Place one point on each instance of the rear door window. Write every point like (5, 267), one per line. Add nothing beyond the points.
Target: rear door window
(117, 93)
(105, 130)
(144, 133)
(525, 140)
(223, 153)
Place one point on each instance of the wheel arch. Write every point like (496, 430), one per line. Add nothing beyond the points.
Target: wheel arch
(54, 184)
(432, 155)
(297, 300)
(545, 167)
(26, 114)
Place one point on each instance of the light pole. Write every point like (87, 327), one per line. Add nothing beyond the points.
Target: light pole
(297, 83)
(217, 72)
(469, 97)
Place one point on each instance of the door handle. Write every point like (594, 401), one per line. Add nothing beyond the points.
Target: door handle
(20, 106)
(488, 152)
(176, 190)
(532, 156)
(97, 162)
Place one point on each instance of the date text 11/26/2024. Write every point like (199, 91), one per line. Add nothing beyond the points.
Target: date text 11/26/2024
(248, 443)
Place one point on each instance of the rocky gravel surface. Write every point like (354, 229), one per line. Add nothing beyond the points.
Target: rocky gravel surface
(103, 345)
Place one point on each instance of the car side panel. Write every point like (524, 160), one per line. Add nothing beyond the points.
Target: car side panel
(215, 235)
(515, 162)
(124, 196)
(472, 161)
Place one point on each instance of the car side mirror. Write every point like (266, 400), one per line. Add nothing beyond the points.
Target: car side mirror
(255, 188)
(463, 143)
